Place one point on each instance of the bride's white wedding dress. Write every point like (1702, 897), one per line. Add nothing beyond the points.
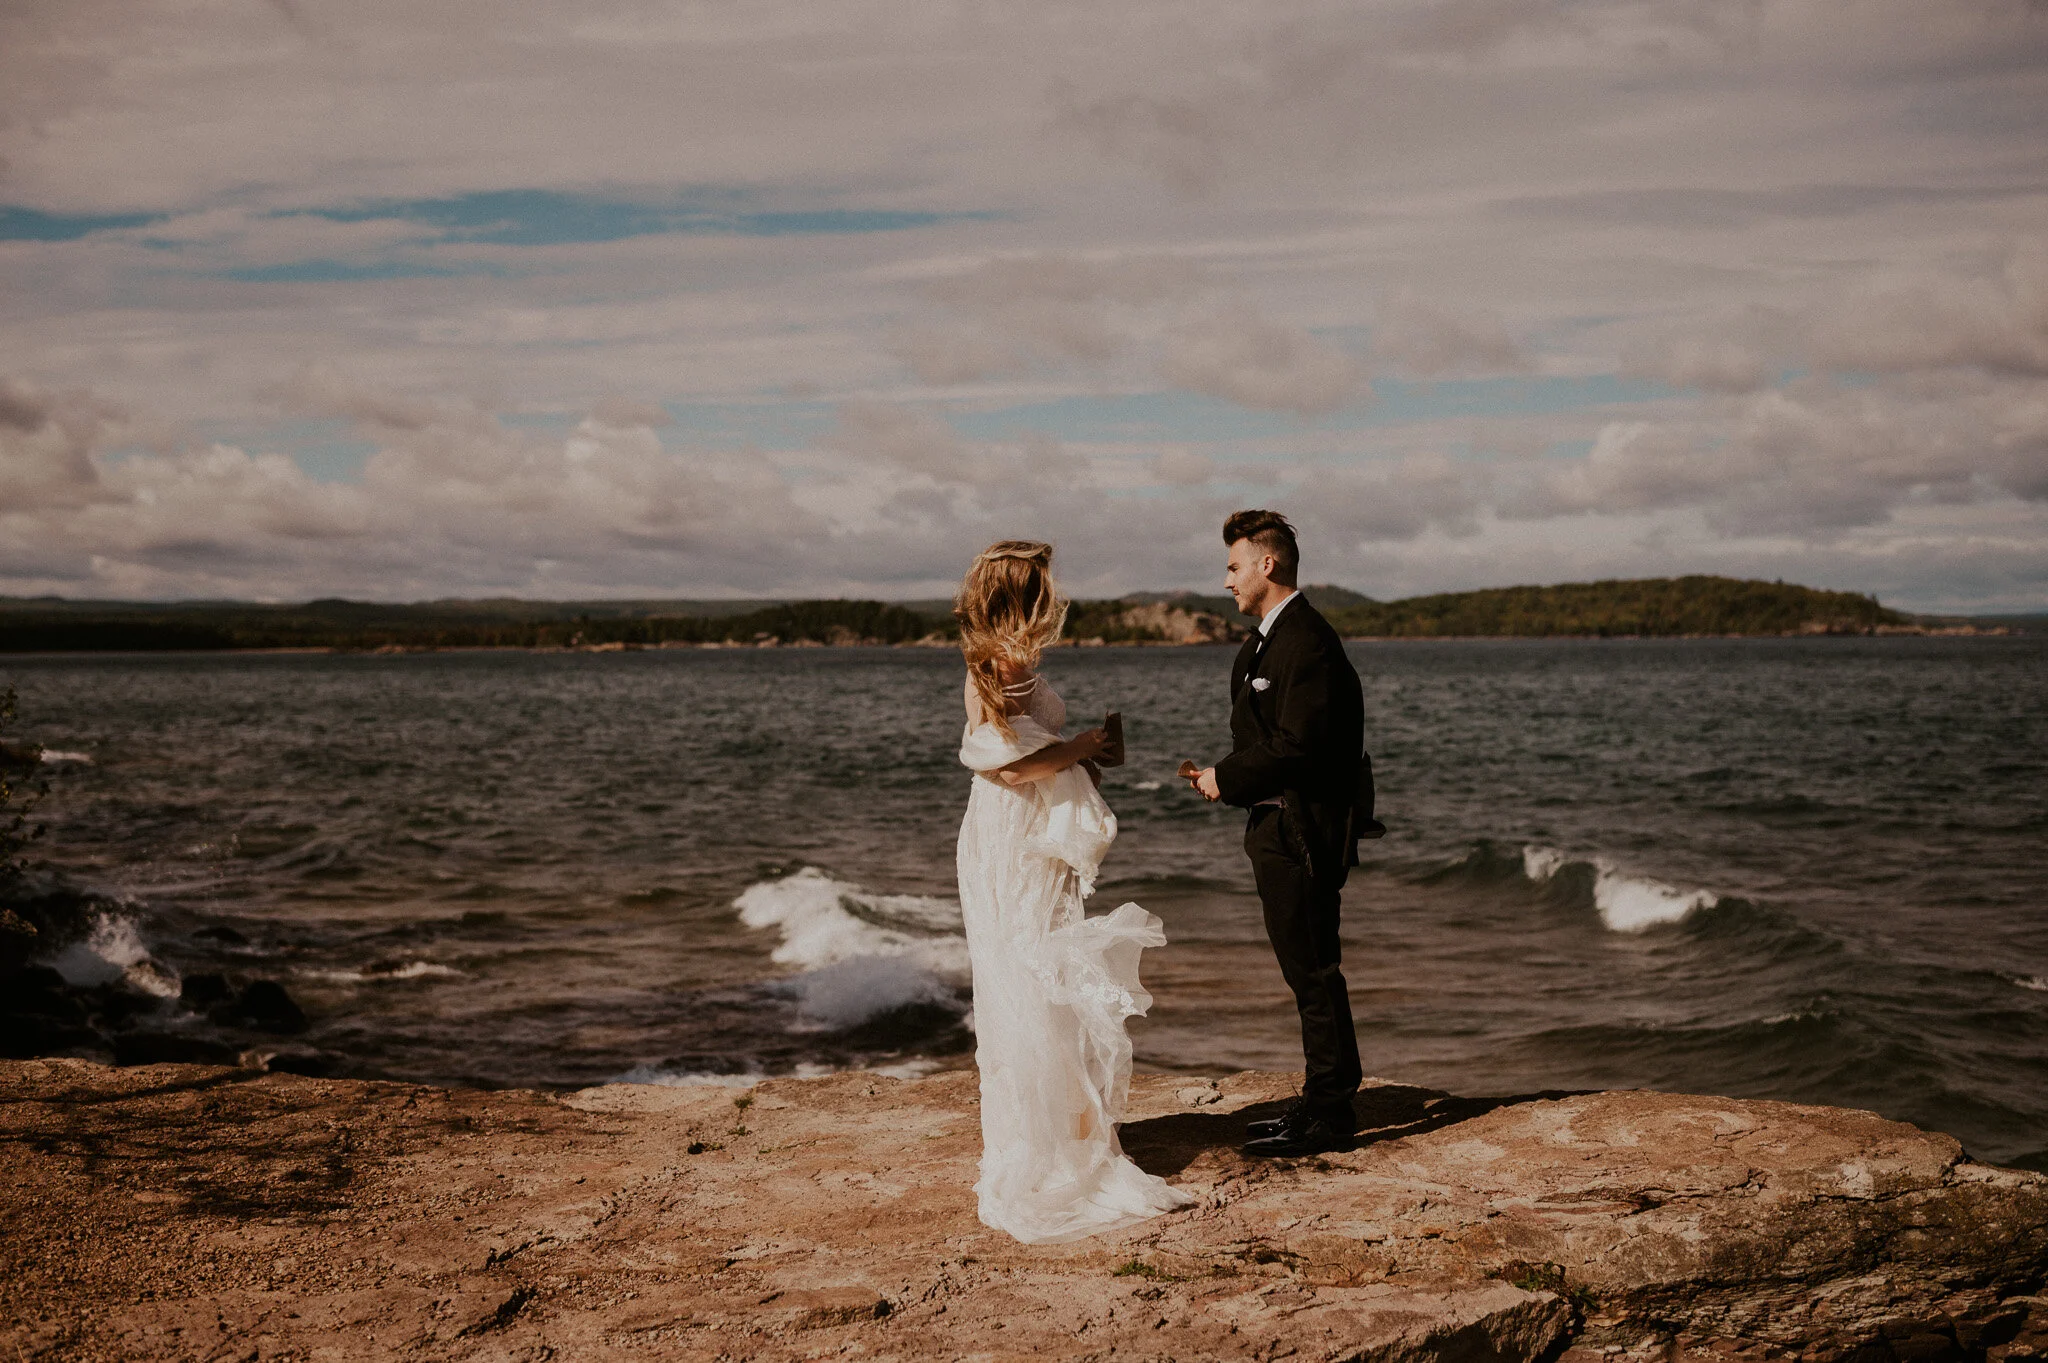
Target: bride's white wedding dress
(1052, 989)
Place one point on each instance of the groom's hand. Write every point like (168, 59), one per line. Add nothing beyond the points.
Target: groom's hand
(1205, 781)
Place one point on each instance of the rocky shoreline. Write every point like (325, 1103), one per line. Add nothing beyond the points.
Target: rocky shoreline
(186, 1212)
(60, 997)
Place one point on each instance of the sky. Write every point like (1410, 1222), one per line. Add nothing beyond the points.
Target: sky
(399, 301)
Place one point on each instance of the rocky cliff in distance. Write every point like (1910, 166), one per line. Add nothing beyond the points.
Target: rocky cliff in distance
(179, 1212)
(1147, 622)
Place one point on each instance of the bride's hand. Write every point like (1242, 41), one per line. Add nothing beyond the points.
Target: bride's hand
(1090, 743)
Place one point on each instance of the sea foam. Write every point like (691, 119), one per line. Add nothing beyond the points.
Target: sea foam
(112, 951)
(867, 954)
(662, 1076)
(665, 1077)
(1626, 903)
(851, 992)
(825, 921)
(411, 970)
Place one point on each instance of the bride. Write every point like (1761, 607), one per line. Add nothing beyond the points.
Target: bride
(1052, 987)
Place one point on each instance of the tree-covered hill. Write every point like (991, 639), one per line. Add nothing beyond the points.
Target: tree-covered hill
(1657, 606)
(64, 626)
(1650, 606)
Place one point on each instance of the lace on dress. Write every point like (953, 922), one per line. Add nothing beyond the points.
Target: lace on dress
(1053, 989)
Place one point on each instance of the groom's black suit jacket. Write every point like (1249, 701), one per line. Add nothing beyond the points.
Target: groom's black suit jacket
(1301, 738)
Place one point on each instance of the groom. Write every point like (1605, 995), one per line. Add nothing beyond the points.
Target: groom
(1297, 726)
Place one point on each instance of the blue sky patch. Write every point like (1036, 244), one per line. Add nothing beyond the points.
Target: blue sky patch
(545, 217)
(349, 271)
(32, 224)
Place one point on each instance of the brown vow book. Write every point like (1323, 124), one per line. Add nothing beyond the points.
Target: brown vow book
(1113, 754)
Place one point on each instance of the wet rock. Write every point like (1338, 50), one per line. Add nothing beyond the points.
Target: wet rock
(205, 990)
(60, 913)
(19, 940)
(112, 1006)
(42, 1015)
(39, 991)
(262, 1004)
(220, 932)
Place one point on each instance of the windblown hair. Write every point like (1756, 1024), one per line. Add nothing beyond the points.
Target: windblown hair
(1269, 533)
(1009, 612)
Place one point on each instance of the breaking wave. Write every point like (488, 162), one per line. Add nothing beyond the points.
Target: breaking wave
(824, 922)
(114, 951)
(411, 970)
(854, 992)
(1626, 903)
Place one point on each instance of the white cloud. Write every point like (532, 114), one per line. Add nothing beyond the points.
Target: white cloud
(1717, 364)
(1808, 462)
(1182, 467)
(1011, 313)
(1418, 493)
(1998, 323)
(1136, 201)
(1430, 340)
(1240, 355)
(47, 446)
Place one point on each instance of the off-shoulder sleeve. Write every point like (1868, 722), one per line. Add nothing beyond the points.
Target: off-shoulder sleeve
(984, 747)
(1075, 827)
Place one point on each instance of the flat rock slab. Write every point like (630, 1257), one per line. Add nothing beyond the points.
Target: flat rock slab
(182, 1212)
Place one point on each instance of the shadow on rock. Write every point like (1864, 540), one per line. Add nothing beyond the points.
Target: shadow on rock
(169, 1141)
(1168, 1145)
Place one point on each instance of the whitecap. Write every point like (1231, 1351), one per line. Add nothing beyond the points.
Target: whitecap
(112, 951)
(411, 970)
(825, 921)
(1541, 863)
(1148, 785)
(1626, 902)
(1633, 903)
(649, 1072)
(2034, 982)
(53, 756)
(853, 991)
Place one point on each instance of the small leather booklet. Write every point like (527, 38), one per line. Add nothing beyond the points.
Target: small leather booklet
(1113, 755)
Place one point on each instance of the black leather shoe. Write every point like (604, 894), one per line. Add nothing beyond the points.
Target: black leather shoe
(1313, 1136)
(1273, 1126)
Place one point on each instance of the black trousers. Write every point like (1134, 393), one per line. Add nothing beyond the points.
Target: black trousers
(1301, 923)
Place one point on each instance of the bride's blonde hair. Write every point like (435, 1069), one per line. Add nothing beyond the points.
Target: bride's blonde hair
(1009, 612)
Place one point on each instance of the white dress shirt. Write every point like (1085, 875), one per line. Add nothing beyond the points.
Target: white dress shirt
(1266, 620)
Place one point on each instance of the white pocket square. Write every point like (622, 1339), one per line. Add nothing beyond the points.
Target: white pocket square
(1261, 683)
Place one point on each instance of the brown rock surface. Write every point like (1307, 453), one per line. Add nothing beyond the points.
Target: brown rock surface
(180, 1212)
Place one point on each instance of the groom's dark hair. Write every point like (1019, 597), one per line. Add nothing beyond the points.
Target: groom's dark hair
(1269, 533)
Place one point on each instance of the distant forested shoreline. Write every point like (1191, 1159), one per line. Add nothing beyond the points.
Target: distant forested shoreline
(1653, 607)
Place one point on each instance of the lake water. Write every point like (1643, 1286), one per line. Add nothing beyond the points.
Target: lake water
(1805, 869)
